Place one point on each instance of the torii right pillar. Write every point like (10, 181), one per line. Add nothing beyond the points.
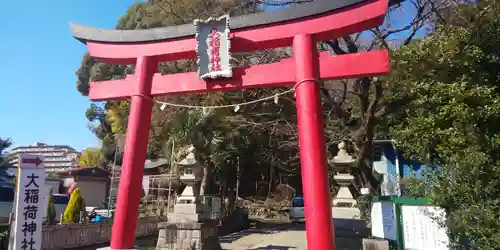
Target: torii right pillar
(315, 184)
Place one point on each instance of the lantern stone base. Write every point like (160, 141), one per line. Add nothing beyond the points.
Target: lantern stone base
(344, 204)
(375, 244)
(193, 212)
(188, 236)
(346, 213)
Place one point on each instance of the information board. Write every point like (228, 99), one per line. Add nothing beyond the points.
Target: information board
(421, 230)
(383, 218)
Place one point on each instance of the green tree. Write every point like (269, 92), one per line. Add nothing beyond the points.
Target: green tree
(452, 122)
(90, 157)
(4, 163)
(108, 122)
(51, 210)
(76, 205)
(4, 144)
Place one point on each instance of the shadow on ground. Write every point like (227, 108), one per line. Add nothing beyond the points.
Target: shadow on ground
(238, 235)
(263, 227)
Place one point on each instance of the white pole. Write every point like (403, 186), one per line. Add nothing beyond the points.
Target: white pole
(170, 175)
(398, 172)
(111, 184)
(237, 179)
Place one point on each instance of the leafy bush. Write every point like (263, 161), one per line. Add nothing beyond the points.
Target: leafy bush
(4, 239)
(76, 204)
(51, 210)
(364, 205)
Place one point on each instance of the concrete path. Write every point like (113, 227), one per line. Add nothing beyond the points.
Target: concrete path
(267, 236)
(278, 236)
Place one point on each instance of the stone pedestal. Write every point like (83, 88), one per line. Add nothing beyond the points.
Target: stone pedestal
(375, 244)
(188, 236)
(195, 212)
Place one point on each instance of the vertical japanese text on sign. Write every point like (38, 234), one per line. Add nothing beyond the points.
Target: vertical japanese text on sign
(214, 51)
(30, 211)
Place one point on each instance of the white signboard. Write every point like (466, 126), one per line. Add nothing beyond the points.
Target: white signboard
(421, 231)
(383, 218)
(44, 203)
(29, 210)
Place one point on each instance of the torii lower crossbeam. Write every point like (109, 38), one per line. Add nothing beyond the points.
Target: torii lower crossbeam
(299, 26)
(258, 76)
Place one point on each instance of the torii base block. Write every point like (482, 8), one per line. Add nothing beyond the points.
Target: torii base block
(299, 26)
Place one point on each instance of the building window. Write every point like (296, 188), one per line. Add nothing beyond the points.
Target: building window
(377, 153)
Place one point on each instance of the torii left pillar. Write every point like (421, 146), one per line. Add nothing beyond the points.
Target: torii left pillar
(301, 27)
(136, 145)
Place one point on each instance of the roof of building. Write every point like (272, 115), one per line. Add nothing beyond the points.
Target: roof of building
(96, 172)
(149, 164)
(44, 145)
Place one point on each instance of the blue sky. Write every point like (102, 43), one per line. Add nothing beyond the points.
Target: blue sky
(38, 59)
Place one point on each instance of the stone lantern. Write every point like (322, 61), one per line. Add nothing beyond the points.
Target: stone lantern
(189, 226)
(189, 206)
(344, 204)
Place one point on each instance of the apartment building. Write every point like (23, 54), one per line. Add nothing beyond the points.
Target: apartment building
(57, 157)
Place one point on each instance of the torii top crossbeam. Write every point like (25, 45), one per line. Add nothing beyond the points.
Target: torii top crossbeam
(301, 26)
(323, 19)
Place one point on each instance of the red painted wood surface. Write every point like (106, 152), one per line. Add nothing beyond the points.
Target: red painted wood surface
(258, 76)
(313, 166)
(346, 21)
(136, 146)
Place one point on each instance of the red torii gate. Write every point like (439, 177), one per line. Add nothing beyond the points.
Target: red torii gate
(299, 26)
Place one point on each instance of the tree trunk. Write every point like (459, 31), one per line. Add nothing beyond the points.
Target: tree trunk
(271, 177)
(204, 181)
(224, 187)
(231, 199)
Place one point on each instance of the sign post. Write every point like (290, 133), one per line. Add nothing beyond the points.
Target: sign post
(28, 211)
